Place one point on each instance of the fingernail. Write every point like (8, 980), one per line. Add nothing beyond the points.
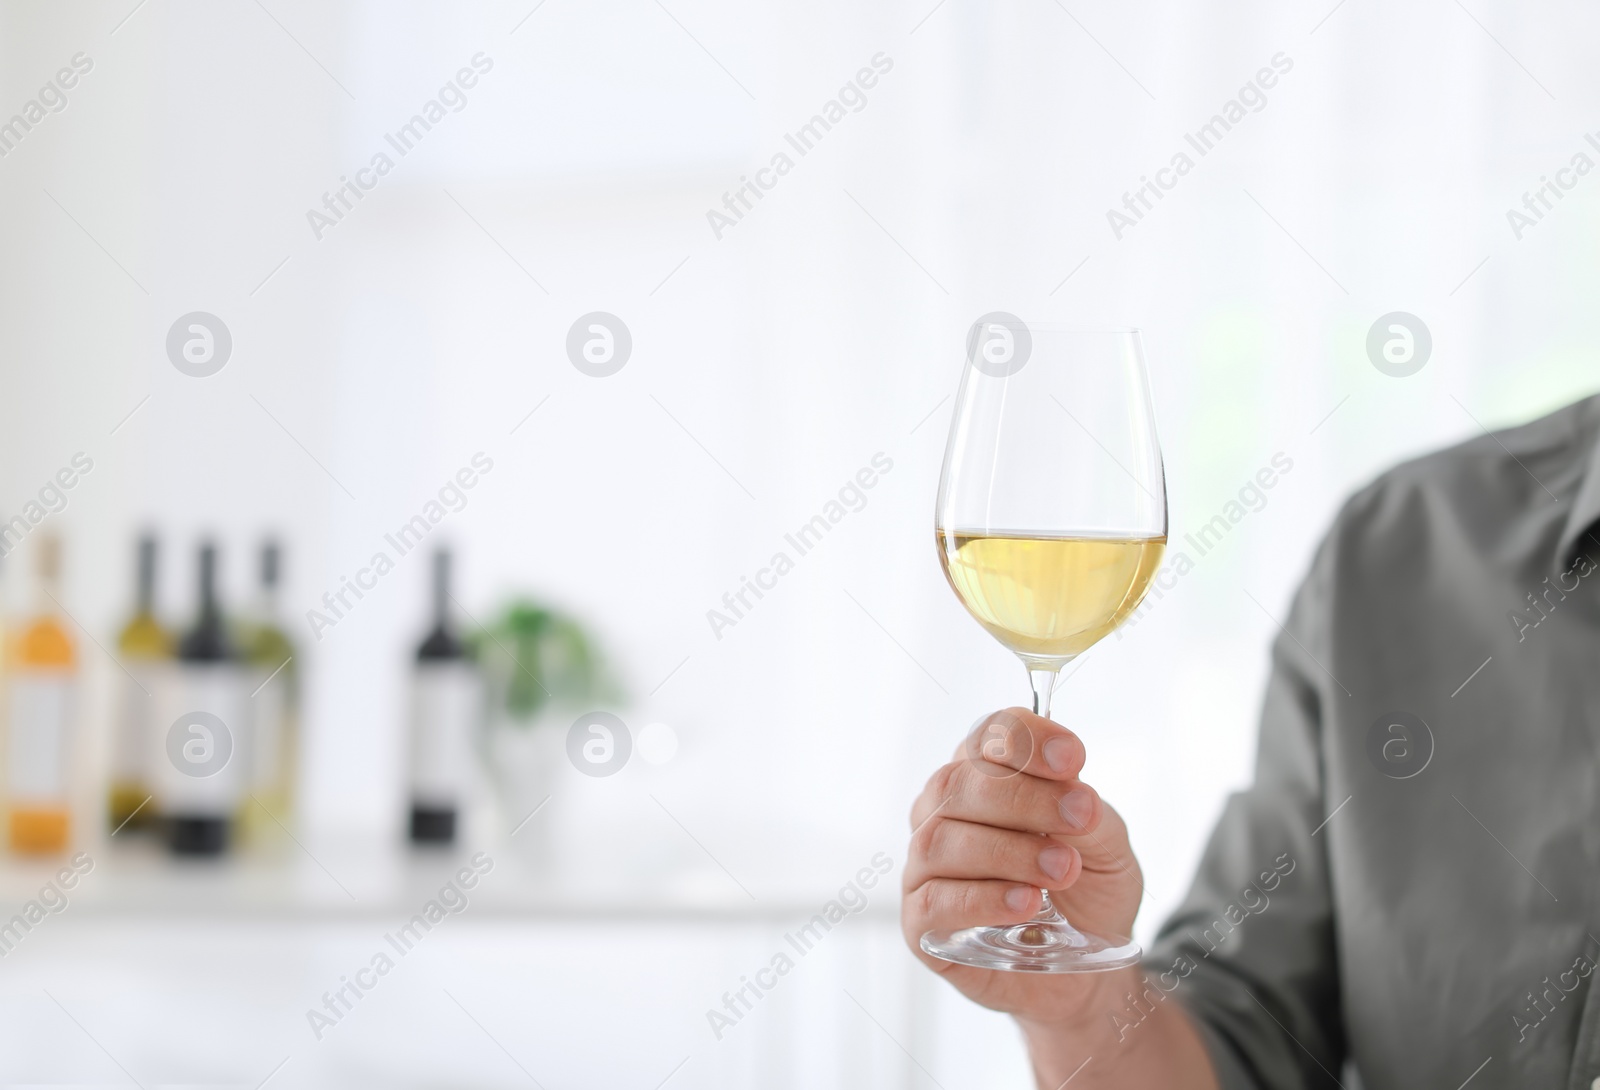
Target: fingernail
(1055, 861)
(1077, 807)
(1058, 754)
(1017, 898)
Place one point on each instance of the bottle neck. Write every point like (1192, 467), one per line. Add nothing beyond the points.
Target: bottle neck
(47, 577)
(441, 642)
(145, 603)
(209, 610)
(208, 641)
(267, 594)
(46, 595)
(441, 592)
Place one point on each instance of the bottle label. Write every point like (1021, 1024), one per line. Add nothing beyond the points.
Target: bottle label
(200, 742)
(37, 738)
(445, 703)
(130, 743)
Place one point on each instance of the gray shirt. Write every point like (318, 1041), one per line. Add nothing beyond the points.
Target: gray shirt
(1406, 892)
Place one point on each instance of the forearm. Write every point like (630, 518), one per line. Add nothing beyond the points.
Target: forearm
(1124, 1045)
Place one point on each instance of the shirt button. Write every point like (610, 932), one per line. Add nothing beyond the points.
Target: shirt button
(1595, 1085)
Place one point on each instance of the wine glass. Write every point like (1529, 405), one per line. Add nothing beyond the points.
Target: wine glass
(1050, 523)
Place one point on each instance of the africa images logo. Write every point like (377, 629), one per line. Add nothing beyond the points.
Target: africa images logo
(599, 344)
(1399, 344)
(199, 344)
(199, 744)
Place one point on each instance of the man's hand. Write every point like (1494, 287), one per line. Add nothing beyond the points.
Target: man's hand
(1008, 817)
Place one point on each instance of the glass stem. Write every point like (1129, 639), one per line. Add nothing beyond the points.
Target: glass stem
(1044, 684)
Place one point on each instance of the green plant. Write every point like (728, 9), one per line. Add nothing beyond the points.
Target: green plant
(535, 656)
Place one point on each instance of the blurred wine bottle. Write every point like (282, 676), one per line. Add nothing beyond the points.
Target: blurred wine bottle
(201, 745)
(43, 680)
(274, 708)
(7, 653)
(445, 695)
(142, 647)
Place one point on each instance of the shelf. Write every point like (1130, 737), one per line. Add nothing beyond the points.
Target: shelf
(355, 879)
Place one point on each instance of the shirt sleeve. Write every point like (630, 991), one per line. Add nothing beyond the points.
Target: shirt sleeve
(1251, 951)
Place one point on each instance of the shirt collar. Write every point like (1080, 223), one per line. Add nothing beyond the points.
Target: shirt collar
(1586, 503)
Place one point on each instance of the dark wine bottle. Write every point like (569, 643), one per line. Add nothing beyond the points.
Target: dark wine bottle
(444, 704)
(202, 729)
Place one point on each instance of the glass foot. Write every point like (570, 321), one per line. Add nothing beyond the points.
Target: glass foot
(1045, 944)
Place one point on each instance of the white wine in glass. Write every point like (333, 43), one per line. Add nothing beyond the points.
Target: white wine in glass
(1050, 523)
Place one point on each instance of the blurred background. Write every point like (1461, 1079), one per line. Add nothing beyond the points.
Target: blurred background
(215, 296)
